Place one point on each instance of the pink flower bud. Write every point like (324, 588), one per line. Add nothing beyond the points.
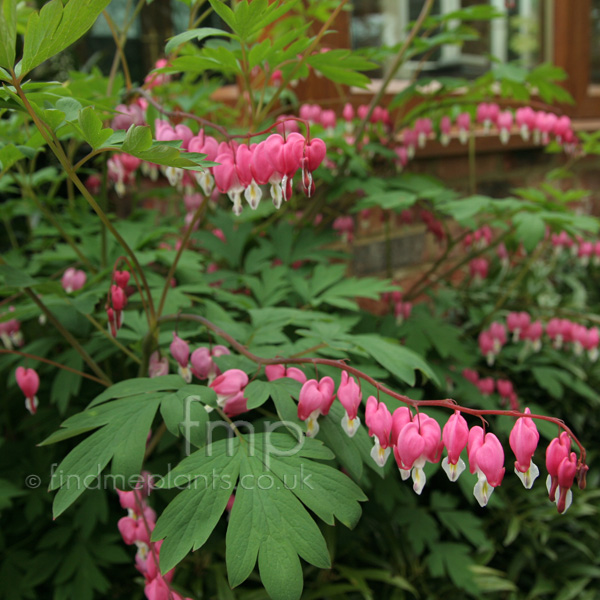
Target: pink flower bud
(315, 396)
(348, 112)
(557, 451)
(118, 298)
(157, 366)
(122, 278)
(328, 118)
(479, 267)
(230, 383)
(379, 421)
(505, 387)
(235, 405)
(349, 395)
(73, 280)
(471, 375)
(463, 121)
(489, 459)
(274, 372)
(400, 417)
(486, 386)
(566, 473)
(180, 350)
(455, 436)
(523, 441)
(203, 365)
(445, 125)
(29, 382)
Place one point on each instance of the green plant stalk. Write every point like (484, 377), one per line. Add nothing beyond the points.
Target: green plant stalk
(516, 281)
(11, 234)
(247, 85)
(109, 337)
(103, 237)
(193, 12)
(119, 45)
(260, 117)
(422, 284)
(472, 165)
(60, 155)
(388, 246)
(398, 61)
(55, 223)
(186, 238)
(69, 337)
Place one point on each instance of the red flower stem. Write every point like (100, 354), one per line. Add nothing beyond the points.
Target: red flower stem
(54, 364)
(340, 364)
(175, 114)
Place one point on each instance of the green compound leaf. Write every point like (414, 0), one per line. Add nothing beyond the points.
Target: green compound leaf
(56, 27)
(124, 430)
(398, 360)
(277, 479)
(8, 33)
(188, 521)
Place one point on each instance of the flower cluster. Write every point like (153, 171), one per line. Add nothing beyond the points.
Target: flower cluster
(542, 127)
(136, 528)
(402, 308)
(587, 252)
(317, 396)
(199, 363)
(418, 439)
(487, 386)
(491, 341)
(241, 168)
(560, 332)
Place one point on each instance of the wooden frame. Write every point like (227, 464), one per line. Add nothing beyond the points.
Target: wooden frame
(572, 33)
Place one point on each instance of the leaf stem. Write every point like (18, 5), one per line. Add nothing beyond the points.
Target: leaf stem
(392, 72)
(67, 166)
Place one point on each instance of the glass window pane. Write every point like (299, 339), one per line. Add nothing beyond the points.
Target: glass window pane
(517, 35)
(595, 43)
